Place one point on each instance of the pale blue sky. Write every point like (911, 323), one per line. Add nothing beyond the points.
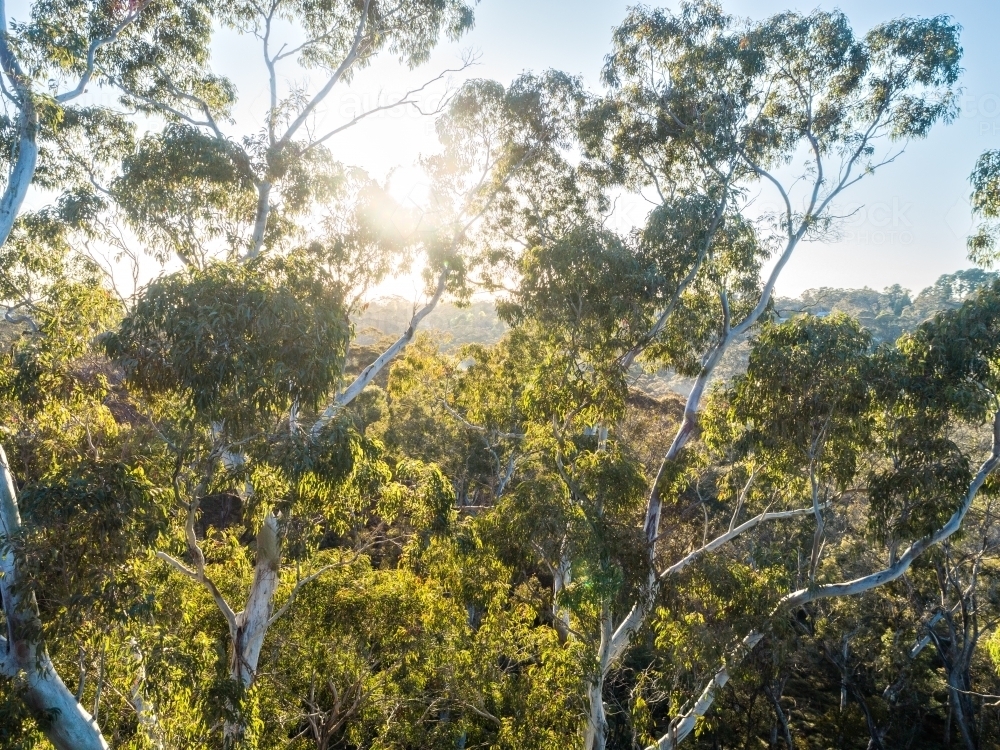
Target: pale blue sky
(912, 217)
(915, 217)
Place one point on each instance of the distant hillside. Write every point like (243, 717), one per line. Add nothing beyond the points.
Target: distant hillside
(476, 324)
(887, 314)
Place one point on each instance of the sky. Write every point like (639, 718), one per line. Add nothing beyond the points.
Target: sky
(910, 220)
(908, 223)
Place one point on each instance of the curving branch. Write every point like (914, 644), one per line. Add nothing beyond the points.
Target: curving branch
(371, 372)
(684, 724)
(94, 48)
(915, 550)
(352, 57)
(403, 101)
(640, 611)
(205, 581)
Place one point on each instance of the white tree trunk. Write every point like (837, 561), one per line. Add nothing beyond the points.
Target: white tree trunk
(561, 579)
(596, 731)
(252, 623)
(23, 658)
(682, 725)
(372, 371)
(260, 223)
(596, 736)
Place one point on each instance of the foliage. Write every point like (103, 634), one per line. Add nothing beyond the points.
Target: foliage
(217, 544)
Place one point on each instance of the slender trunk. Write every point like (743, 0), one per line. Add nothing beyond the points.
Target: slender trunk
(684, 724)
(596, 736)
(149, 724)
(22, 173)
(562, 578)
(253, 622)
(596, 731)
(775, 697)
(962, 708)
(260, 225)
(23, 658)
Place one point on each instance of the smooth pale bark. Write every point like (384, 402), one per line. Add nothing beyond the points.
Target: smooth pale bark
(253, 621)
(25, 158)
(260, 223)
(684, 724)
(634, 619)
(817, 206)
(145, 711)
(847, 588)
(371, 372)
(22, 171)
(562, 577)
(596, 736)
(596, 731)
(23, 658)
(251, 625)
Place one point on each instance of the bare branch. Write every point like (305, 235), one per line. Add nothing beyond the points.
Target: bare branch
(95, 46)
(370, 372)
(403, 101)
(352, 56)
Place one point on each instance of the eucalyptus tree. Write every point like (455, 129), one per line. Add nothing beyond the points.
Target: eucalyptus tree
(703, 108)
(47, 68)
(242, 364)
(192, 183)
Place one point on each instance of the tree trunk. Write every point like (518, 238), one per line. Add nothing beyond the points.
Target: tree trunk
(255, 619)
(596, 735)
(23, 657)
(260, 224)
(963, 711)
(596, 731)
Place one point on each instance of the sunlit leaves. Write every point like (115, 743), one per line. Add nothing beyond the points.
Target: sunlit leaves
(181, 190)
(238, 342)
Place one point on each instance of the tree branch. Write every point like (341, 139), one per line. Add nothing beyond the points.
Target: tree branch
(892, 572)
(95, 46)
(684, 724)
(345, 65)
(370, 372)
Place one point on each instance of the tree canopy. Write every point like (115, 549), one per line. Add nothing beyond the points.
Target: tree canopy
(234, 516)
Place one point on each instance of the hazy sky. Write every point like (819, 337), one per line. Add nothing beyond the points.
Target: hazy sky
(912, 217)
(915, 214)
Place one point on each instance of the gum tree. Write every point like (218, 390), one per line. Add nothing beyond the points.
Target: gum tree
(47, 68)
(702, 109)
(244, 364)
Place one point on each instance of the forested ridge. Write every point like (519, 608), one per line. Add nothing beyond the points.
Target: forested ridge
(886, 315)
(597, 489)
